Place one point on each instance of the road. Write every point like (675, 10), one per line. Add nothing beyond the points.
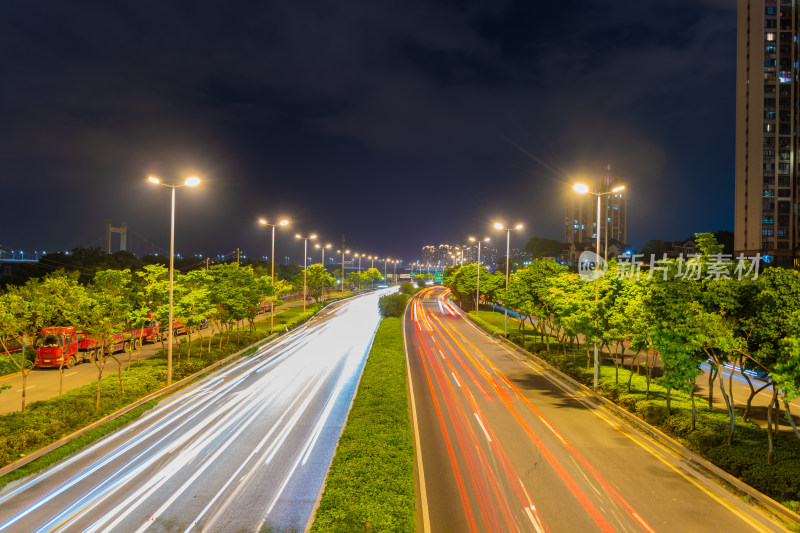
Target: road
(505, 448)
(43, 383)
(245, 449)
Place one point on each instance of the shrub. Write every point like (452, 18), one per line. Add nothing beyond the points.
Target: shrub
(393, 305)
(407, 288)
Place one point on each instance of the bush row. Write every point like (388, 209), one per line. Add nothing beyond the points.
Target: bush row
(370, 484)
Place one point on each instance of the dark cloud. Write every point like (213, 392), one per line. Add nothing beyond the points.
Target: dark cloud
(396, 122)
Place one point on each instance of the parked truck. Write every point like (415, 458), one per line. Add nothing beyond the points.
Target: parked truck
(56, 347)
(64, 346)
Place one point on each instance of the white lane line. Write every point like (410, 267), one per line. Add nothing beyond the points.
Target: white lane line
(483, 428)
(455, 378)
(70, 374)
(29, 387)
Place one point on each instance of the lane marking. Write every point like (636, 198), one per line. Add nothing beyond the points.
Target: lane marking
(423, 492)
(483, 428)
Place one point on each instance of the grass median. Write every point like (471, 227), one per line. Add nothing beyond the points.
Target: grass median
(370, 483)
(745, 459)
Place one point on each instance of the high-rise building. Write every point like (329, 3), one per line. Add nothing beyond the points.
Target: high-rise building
(767, 95)
(580, 217)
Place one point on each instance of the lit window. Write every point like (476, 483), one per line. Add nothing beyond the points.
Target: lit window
(770, 36)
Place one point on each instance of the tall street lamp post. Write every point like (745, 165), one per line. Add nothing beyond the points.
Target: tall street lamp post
(394, 275)
(190, 182)
(478, 284)
(305, 263)
(343, 252)
(582, 188)
(384, 269)
(323, 262)
(499, 226)
(263, 222)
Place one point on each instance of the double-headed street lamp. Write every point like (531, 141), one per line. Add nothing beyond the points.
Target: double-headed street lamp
(478, 289)
(321, 247)
(582, 188)
(342, 252)
(192, 181)
(499, 226)
(263, 222)
(305, 262)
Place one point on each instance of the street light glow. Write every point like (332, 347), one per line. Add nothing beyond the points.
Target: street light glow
(580, 188)
(262, 221)
(153, 179)
(518, 226)
(498, 225)
(283, 222)
(192, 181)
(617, 189)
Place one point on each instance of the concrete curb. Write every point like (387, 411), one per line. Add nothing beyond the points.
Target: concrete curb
(696, 460)
(49, 448)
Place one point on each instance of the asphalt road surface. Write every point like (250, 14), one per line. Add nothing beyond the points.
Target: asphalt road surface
(505, 448)
(245, 449)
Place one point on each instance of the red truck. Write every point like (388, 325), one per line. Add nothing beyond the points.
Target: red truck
(56, 347)
(65, 346)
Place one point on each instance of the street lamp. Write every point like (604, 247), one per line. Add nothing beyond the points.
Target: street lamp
(394, 276)
(499, 226)
(582, 188)
(343, 252)
(384, 269)
(192, 181)
(371, 277)
(323, 251)
(305, 262)
(478, 290)
(263, 222)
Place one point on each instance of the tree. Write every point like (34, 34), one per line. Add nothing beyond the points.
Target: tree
(107, 317)
(15, 320)
(371, 276)
(392, 305)
(318, 280)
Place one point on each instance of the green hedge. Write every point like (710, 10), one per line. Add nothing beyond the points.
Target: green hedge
(371, 478)
(490, 328)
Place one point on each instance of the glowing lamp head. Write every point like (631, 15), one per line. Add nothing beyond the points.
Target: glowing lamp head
(580, 188)
(617, 189)
(313, 236)
(193, 181)
(153, 179)
(472, 239)
(283, 222)
(518, 226)
(297, 236)
(262, 221)
(498, 225)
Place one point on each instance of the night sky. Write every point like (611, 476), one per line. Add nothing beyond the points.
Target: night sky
(398, 123)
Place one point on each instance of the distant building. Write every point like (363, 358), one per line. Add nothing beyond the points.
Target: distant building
(580, 217)
(766, 166)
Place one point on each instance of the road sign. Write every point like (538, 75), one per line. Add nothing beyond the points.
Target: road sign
(438, 277)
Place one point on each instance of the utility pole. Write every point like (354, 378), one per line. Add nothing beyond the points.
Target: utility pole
(237, 257)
